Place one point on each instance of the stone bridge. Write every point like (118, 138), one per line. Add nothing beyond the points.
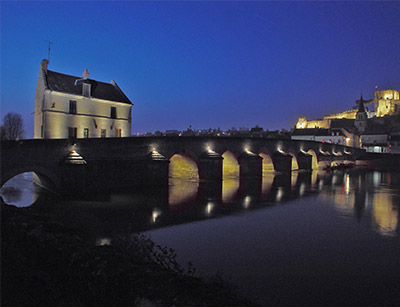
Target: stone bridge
(79, 166)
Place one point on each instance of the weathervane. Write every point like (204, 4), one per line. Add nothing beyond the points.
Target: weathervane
(48, 54)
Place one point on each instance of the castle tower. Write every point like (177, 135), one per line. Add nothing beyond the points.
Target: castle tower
(361, 117)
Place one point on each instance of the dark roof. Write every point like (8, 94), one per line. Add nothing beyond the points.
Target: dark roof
(361, 105)
(342, 123)
(311, 131)
(66, 84)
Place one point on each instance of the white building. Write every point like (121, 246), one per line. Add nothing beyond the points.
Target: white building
(68, 106)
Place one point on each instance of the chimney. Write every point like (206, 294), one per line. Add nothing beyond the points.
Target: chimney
(43, 64)
(85, 74)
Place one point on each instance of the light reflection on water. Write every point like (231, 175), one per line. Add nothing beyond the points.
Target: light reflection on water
(283, 225)
(368, 195)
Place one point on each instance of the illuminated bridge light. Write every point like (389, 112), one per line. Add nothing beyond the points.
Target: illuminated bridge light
(246, 202)
(155, 215)
(103, 241)
(302, 189)
(74, 158)
(209, 208)
(279, 194)
(155, 155)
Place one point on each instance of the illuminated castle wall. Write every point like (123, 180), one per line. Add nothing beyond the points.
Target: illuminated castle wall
(69, 106)
(385, 102)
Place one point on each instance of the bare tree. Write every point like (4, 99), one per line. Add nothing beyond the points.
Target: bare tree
(13, 127)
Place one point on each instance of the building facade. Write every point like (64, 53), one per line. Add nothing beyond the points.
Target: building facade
(72, 107)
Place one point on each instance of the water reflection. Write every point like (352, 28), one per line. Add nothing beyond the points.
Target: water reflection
(182, 193)
(266, 186)
(385, 214)
(354, 194)
(230, 188)
(362, 195)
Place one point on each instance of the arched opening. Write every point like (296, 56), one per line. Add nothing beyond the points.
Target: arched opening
(24, 189)
(230, 166)
(295, 165)
(314, 160)
(184, 167)
(267, 164)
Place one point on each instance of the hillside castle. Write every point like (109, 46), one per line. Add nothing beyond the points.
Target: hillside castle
(385, 102)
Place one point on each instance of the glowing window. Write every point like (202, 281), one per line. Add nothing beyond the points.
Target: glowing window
(86, 133)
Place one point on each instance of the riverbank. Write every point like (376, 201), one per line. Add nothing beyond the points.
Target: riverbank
(43, 263)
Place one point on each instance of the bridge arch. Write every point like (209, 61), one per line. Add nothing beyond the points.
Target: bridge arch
(314, 159)
(267, 162)
(183, 165)
(230, 165)
(295, 164)
(46, 177)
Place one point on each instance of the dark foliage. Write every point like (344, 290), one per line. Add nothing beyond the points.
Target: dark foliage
(46, 264)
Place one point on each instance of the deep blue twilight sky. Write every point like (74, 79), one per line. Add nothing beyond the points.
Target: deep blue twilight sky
(207, 64)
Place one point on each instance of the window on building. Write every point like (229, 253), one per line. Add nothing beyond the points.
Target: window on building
(119, 133)
(86, 90)
(103, 133)
(72, 132)
(41, 131)
(72, 107)
(86, 133)
(113, 112)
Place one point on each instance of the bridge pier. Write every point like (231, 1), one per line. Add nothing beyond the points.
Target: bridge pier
(250, 165)
(210, 166)
(304, 161)
(282, 162)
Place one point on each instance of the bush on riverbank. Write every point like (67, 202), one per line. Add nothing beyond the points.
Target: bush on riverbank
(45, 264)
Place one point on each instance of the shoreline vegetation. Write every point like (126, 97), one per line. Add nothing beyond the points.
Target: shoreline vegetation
(44, 263)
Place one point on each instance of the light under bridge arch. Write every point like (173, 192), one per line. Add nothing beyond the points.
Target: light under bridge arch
(267, 163)
(230, 165)
(183, 165)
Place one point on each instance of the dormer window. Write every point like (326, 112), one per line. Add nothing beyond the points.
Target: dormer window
(86, 90)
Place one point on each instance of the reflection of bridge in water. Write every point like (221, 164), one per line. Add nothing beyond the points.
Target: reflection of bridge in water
(92, 165)
(188, 201)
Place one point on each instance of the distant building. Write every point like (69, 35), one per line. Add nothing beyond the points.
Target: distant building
(374, 134)
(385, 102)
(72, 107)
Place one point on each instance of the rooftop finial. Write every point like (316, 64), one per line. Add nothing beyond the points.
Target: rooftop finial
(85, 74)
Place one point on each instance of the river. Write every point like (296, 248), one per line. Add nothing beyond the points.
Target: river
(320, 238)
